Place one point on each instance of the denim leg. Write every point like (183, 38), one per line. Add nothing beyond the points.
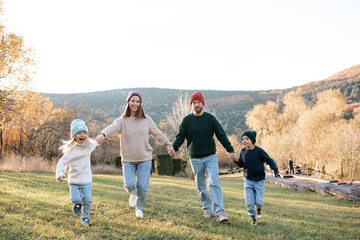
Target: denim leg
(141, 171)
(213, 180)
(143, 178)
(199, 174)
(75, 194)
(86, 191)
(259, 193)
(250, 197)
(129, 173)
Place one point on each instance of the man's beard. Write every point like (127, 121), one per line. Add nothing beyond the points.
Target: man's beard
(198, 109)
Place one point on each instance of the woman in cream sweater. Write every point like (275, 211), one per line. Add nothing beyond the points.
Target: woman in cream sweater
(135, 128)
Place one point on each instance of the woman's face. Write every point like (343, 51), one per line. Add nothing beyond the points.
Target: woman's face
(134, 104)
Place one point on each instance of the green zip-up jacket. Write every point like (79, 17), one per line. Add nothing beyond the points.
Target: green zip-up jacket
(199, 132)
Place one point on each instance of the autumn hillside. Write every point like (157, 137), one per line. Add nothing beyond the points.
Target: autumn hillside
(230, 106)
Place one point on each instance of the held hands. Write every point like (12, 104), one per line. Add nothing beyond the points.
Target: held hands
(100, 138)
(172, 152)
(234, 157)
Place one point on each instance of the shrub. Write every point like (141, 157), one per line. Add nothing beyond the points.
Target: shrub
(117, 162)
(163, 164)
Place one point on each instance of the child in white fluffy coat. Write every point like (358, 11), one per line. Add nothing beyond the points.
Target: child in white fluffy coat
(76, 156)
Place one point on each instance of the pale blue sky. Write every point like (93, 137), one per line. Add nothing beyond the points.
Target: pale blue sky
(88, 45)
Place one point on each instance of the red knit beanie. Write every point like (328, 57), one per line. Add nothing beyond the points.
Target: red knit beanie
(197, 96)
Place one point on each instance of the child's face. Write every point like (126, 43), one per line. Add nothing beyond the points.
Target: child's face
(247, 142)
(80, 137)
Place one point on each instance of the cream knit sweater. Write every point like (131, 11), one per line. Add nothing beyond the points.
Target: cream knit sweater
(134, 137)
(80, 165)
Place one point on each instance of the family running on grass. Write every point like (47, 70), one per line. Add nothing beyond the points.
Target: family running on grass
(135, 127)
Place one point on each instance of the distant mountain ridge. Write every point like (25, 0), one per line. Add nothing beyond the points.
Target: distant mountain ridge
(230, 106)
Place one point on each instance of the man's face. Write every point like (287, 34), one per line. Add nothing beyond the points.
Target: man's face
(197, 106)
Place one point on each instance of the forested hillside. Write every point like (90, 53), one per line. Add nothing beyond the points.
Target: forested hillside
(229, 106)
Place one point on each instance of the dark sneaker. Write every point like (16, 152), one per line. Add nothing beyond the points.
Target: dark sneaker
(253, 221)
(259, 213)
(85, 221)
(77, 208)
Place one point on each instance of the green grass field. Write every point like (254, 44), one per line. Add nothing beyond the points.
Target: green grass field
(34, 206)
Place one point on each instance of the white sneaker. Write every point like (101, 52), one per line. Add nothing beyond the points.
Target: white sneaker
(132, 200)
(139, 213)
(222, 218)
(207, 214)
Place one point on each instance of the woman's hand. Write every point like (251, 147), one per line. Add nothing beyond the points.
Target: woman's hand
(100, 138)
(60, 179)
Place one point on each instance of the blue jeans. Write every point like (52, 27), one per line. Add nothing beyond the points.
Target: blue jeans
(81, 194)
(254, 195)
(206, 169)
(139, 187)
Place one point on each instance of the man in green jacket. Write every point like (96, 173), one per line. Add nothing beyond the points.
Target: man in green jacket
(198, 128)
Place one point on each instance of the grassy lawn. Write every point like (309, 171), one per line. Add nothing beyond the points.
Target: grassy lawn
(34, 206)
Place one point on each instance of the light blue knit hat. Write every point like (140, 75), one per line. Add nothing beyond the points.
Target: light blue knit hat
(78, 125)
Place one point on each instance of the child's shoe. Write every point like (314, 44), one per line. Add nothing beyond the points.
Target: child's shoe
(259, 213)
(85, 221)
(77, 208)
(253, 221)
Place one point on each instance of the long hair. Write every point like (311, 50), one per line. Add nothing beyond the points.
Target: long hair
(140, 113)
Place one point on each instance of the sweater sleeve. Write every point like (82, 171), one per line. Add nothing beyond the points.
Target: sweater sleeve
(114, 127)
(180, 136)
(240, 163)
(221, 136)
(158, 135)
(269, 161)
(63, 164)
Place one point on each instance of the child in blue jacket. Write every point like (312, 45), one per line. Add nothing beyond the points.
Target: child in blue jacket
(252, 159)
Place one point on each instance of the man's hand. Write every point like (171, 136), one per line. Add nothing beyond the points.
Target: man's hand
(234, 157)
(277, 175)
(172, 152)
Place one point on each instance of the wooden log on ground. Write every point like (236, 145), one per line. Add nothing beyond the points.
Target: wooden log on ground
(279, 181)
(319, 188)
(354, 192)
(301, 186)
(350, 192)
(342, 191)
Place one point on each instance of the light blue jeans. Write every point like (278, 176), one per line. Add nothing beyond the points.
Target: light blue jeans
(140, 187)
(254, 195)
(206, 169)
(81, 194)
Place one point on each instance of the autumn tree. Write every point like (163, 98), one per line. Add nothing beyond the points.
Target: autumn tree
(310, 134)
(16, 68)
